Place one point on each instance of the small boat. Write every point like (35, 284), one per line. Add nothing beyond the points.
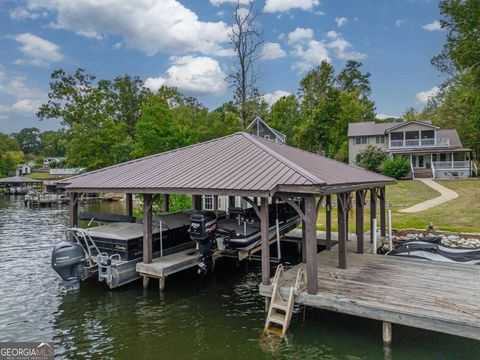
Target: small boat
(431, 248)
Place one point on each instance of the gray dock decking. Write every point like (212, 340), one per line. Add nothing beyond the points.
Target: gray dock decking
(424, 294)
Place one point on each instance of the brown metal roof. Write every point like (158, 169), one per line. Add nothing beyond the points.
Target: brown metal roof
(371, 128)
(19, 180)
(237, 164)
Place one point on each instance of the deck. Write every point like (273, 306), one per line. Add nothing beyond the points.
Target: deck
(427, 295)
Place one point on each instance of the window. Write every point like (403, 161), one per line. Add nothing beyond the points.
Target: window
(396, 135)
(443, 157)
(208, 202)
(361, 140)
(380, 139)
(428, 134)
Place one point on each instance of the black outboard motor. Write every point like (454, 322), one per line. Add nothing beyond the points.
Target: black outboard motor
(67, 258)
(202, 230)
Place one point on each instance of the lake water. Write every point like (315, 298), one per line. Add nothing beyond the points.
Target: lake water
(220, 317)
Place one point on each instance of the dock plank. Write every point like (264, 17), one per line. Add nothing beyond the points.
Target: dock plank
(170, 264)
(430, 295)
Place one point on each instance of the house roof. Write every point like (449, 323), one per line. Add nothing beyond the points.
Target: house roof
(452, 136)
(405, 123)
(18, 180)
(371, 128)
(238, 164)
(258, 119)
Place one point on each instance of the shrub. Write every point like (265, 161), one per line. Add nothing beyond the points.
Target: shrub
(397, 167)
(371, 158)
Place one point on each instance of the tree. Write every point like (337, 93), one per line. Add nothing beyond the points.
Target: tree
(54, 143)
(351, 79)
(29, 140)
(410, 114)
(371, 158)
(246, 39)
(8, 143)
(397, 167)
(285, 116)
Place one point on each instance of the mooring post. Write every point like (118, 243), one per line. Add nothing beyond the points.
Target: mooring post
(383, 216)
(311, 244)
(373, 210)
(328, 221)
(387, 332)
(342, 231)
(265, 243)
(129, 204)
(147, 228)
(166, 203)
(73, 209)
(359, 208)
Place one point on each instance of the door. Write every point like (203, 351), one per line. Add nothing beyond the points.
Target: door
(421, 162)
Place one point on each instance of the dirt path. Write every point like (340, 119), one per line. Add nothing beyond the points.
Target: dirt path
(445, 195)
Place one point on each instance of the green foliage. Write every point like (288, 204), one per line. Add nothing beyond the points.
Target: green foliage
(285, 116)
(9, 160)
(29, 140)
(8, 143)
(54, 143)
(371, 158)
(397, 167)
(177, 202)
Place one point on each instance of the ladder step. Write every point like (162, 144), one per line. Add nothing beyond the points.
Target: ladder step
(283, 307)
(277, 319)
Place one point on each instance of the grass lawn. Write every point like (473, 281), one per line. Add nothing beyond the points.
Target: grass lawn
(459, 215)
(39, 175)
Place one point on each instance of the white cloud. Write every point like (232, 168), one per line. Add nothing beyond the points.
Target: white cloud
(192, 75)
(272, 98)
(299, 35)
(118, 45)
(433, 26)
(220, 2)
(342, 47)
(37, 51)
(149, 26)
(341, 21)
(25, 97)
(272, 51)
(310, 55)
(399, 22)
(424, 96)
(286, 5)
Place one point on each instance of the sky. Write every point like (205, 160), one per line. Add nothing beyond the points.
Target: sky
(184, 43)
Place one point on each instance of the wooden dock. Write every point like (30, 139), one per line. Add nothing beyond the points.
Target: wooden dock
(429, 295)
(162, 267)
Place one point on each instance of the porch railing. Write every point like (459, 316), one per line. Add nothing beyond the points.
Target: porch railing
(419, 142)
(445, 165)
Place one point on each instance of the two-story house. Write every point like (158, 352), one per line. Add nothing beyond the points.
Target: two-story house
(433, 152)
(260, 128)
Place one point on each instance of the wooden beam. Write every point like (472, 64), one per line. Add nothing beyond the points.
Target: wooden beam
(129, 204)
(265, 244)
(311, 244)
(166, 204)
(294, 205)
(342, 233)
(319, 202)
(383, 216)
(359, 218)
(304, 234)
(373, 210)
(328, 221)
(254, 206)
(73, 209)
(147, 228)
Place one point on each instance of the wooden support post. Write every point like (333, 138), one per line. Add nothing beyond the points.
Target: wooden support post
(387, 332)
(265, 241)
(383, 217)
(161, 284)
(231, 201)
(73, 209)
(304, 234)
(147, 228)
(255, 200)
(215, 202)
(129, 204)
(166, 203)
(328, 221)
(342, 231)
(311, 244)
(145, 281)
(359, 213)
(196, 202)
(373, 210)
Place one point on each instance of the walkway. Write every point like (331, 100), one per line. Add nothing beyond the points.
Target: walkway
(445, 195)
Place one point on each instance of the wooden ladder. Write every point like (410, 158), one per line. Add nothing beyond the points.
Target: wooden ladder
(280, 311)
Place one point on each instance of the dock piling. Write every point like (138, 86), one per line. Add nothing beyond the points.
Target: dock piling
(387, 332)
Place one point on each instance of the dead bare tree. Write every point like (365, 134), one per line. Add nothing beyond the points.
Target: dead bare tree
(246, 38)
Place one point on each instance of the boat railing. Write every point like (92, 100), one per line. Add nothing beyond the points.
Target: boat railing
(83, 238)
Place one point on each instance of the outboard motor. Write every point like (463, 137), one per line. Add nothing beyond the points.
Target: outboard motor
(67, 258)
(202, 230)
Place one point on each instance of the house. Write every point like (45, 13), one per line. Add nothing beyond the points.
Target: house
(21, 169)
(433, 152)
(49, 160)
(260, 128)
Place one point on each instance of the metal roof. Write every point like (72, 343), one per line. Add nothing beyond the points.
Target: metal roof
(371, 128)
(19, 180)
(238, 164)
